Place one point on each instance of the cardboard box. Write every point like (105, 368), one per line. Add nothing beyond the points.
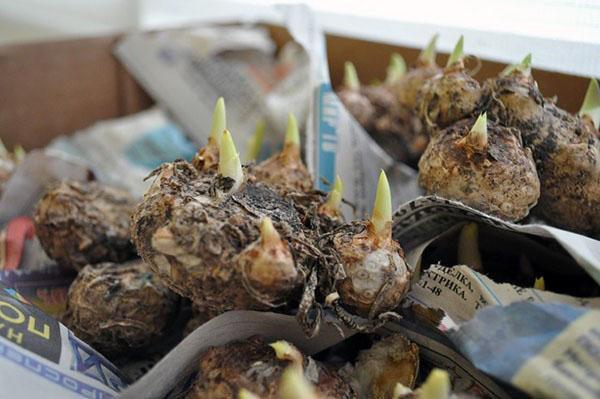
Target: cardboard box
(55, 88)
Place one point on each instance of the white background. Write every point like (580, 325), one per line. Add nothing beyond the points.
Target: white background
(563, 35)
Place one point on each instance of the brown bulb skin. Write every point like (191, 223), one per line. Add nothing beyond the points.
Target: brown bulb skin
(120, 308)
(80, 223)
(253, 365)
(449, 97)
(566, 149)
(376, 274)
(499, 179)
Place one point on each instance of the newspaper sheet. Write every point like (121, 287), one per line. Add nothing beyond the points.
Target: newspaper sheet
(547, 350)
(25, 267)
(186, 71)
(460, 292)
(26, 186)
(39, 357)
(123, 151)
(421, 220)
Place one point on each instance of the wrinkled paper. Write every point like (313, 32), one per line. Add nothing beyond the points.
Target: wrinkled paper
(123, 151)
(547, 350)
(39, 357)
(32, 176)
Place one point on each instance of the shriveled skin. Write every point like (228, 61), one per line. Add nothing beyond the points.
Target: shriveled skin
(408, 86)
(375, 274)
(314, 216)
(268, 269)
(207, 158)
(448, 98)
(568, 161)
(395, 127)
(85, 223)
(566, 149)
(359, 105)
(500, 180)
(253, 365)
(516, 101)
(119, 307)
(284, 171)
(392, 360)
(191, 233)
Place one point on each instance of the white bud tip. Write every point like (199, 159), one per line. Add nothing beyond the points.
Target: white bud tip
(229, 159)
(429, 53)
(539, 284)
(329, 299)
(382, 209)
(268, 233)
(457, 53)
(436, 386)
(255, 141)
(396, 69)
(478, 136)
(591, 103)
(218, 120)
(400, 390)
(293, 385)
(283, 349)
(292, 135)
(350, 76)
(246, 394)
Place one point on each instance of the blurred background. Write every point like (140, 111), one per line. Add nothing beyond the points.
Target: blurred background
(564, 35)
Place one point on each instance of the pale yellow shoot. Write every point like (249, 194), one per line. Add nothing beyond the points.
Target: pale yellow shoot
(292, 135)
(218, 121)
(255, 141)
(246, 394)
(334, 199)
(429, 53)
(539, 284)
(291, 144)
(478, 136)
(282, 348)
(229, 160)
(591, 103)
(396, 69)
(457, 53)
(524, 66)
(268, 233)
(436, 386)
(381, 218)
(19, 152)
(350, 76)
(468, 247)
(293, 385)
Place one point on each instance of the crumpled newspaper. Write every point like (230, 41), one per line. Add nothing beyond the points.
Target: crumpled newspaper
(40, 357)
(548, 350)
(25, 268)
(123, 151)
